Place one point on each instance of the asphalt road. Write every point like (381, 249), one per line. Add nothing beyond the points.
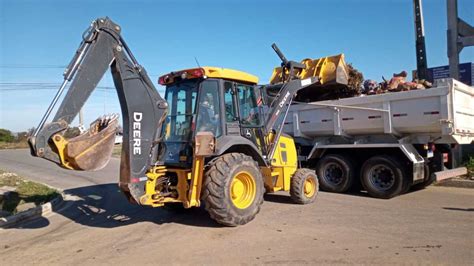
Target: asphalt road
(434, 225)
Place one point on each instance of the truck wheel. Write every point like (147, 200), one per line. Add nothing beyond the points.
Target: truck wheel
(233, 189)
(304, 186)
(383, 177)
(335, 173)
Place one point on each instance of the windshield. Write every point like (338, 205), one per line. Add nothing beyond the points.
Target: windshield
(181, 98)
(181, 122)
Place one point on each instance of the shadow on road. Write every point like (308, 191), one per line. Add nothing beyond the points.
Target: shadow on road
(286, 199)
(105, 206)
(279, 198)
(459, 209)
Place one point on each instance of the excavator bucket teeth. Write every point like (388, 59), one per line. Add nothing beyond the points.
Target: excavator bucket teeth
(91, 150)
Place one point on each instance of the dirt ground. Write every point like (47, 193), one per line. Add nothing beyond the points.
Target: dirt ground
(97, 226)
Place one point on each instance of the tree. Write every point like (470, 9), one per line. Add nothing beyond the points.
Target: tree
(6, 135)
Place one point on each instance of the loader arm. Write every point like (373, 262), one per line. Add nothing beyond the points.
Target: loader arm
(143, 111)
(280, 103)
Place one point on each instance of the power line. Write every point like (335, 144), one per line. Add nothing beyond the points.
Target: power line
(26, 86)
(19, 66)
(31, 66)
(35, 89)
(28, 83)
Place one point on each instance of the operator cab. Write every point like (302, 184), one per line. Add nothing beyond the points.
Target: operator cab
(223, 101)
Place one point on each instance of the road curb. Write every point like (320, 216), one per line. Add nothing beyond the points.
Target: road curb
(38, 211)
(459, 183)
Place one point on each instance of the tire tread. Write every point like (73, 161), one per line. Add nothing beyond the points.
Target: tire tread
(216, 178)
(297, 186)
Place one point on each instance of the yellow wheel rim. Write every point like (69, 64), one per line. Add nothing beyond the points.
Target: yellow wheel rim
(243, 190)
(309, 187)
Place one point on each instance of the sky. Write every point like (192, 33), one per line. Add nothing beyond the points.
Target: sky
(39, 38)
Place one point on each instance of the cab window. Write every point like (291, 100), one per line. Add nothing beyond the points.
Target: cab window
(230, 110)
(208, 118)
(181, 99)
(248, 105)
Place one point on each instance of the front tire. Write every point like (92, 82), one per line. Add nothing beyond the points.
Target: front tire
(383, 177)
(233, 189)
(304, 186)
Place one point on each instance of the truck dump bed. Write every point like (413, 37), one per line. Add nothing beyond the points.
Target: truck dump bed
(442, 114)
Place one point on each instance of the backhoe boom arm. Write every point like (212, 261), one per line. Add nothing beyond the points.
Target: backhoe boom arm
(143, 111)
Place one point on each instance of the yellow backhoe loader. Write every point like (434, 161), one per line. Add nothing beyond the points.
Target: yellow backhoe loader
(215, 139)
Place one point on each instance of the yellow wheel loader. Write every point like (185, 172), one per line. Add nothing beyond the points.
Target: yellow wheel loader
(215, 140)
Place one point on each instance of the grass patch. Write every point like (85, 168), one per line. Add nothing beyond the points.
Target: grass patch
(26, 191)
(470, 166)
(13, 145)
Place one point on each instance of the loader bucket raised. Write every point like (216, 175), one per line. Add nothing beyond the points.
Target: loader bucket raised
(92, 149)
(329, 70)
(333, 78)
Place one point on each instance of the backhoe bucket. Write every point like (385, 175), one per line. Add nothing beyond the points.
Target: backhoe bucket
(329, 70)
(91, 150)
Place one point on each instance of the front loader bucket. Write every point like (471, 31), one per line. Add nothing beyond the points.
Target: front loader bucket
(333, 78)
(329, 70)
(91, 150)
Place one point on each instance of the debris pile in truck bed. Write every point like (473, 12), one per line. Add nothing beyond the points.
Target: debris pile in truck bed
(396, 83)
(339, 80)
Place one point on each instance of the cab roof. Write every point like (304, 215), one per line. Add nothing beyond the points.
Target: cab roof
(211, 72)
(227, 73)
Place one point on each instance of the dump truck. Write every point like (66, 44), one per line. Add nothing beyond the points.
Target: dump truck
(384, 144)
(388, 143)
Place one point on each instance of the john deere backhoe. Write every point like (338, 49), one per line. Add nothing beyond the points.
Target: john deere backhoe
(216, 139)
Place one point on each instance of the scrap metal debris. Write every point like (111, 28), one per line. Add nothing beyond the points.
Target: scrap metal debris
(397, 83)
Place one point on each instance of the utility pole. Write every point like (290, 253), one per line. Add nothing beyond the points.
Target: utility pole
(460, 35)
(421, 62)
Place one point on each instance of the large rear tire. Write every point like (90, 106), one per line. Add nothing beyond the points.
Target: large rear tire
(233, 189)
(304, 186)
(383, 177)
(335, 173)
